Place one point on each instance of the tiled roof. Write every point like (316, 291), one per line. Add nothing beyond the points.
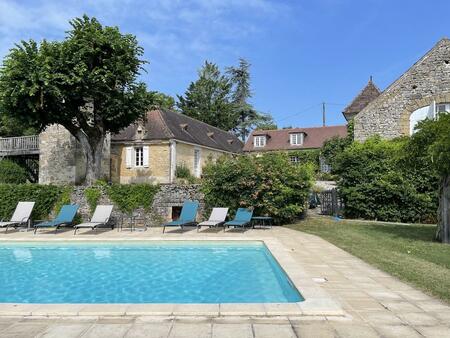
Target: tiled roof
(369, 93)
(165, 125)
(280, 139)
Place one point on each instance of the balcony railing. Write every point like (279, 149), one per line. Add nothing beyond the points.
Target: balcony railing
(23, 145)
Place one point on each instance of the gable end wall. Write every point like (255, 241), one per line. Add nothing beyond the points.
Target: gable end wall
(427, 81)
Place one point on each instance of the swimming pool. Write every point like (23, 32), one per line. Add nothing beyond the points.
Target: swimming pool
(143, 272)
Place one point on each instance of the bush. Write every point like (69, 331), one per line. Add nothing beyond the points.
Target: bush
(182, 172)
(45, 196)
(11, 172)
(375, 182)
(269, 184)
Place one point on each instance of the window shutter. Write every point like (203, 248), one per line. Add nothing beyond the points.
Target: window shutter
(128, 156)
(145, 151)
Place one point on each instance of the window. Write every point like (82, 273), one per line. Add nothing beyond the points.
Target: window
(294, 159)
(197, 162)
(259, 141)
(430, 112)
(296, 139)
(139, 156)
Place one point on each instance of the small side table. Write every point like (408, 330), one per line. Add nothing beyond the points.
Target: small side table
(262, 221)
(133, 220)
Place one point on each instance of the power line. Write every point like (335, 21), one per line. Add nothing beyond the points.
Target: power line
(299, 112)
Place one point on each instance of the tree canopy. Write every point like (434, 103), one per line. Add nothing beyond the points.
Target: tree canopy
(222, 100)
(87, 83)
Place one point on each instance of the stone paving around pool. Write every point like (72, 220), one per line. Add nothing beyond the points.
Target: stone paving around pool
(373, 303)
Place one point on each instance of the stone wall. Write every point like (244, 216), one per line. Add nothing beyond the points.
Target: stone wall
(426, 81)
(61, 159)
(170, 195)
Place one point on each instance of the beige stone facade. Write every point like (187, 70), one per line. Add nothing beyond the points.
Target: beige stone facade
(163, 158)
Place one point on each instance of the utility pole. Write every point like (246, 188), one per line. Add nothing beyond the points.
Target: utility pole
(323, 114)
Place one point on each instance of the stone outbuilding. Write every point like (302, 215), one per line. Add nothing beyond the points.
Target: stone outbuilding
(422, 91)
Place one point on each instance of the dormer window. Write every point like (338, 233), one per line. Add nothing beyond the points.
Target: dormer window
(296, 139)
(259, 141)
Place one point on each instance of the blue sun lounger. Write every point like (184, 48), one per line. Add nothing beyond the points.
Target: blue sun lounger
(242, 219)
(187, 217)
(65, 217)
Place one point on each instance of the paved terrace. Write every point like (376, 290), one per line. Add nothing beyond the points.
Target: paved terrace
(374, 303)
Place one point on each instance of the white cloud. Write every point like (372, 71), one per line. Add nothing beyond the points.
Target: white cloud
(174, 33)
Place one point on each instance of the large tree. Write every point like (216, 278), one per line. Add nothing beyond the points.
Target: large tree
(208, 99)
(87, 83)
(161, 100)
(248, 117)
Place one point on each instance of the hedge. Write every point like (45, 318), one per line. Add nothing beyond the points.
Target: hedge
(11, 172)
(269, 184)
(379, 179)
(46, 197)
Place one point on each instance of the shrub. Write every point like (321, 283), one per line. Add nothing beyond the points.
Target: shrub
(182, 172)
(375, 182)
(92, 195)
(11, 172)
(45, 196)
(269, 184)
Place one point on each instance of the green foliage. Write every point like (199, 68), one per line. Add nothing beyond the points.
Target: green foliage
(432, 141)
(161, 101)
(310, 156)
(92, 195)
(222, 99)
(333, 147)
(11, 172)
(12, 126)
(269, 184)
(375, 184)
(183, 172)
(209, 98)
(129, 197)
(45, 196)
(87, 83)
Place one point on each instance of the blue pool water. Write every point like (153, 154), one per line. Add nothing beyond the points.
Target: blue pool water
(151, 272)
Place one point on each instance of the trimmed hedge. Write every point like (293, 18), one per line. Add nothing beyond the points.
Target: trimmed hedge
(270, 184)
(45, 196)
(11, 172)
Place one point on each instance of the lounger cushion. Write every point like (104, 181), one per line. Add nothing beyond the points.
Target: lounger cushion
(5, 224)
(178, 223)
(236, 223)
(88, 225)
(210, 223)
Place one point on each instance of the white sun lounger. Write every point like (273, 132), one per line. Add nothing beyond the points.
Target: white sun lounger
(101, 216)
(20, 217)
(217, 217)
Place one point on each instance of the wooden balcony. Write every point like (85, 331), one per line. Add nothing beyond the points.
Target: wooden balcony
(19, 146)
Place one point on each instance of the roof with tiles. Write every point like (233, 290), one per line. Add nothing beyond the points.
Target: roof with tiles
(279, 139)
(369, 93)
(163, 124)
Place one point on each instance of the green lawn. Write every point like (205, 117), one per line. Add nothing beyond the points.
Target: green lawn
(405, 251)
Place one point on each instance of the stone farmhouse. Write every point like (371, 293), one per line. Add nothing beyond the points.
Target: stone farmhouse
(292, 140)
(145, 152)
(422, 91)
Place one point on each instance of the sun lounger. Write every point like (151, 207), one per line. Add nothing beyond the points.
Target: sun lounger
(20, 217)
(217, 217)
(101, 216)
(242, 219)
(187, 217)
(65, 217)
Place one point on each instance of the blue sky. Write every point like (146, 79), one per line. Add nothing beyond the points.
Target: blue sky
(302, 52)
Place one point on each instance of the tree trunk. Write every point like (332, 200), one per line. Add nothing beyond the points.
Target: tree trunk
(93, 150)
(443, 226)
